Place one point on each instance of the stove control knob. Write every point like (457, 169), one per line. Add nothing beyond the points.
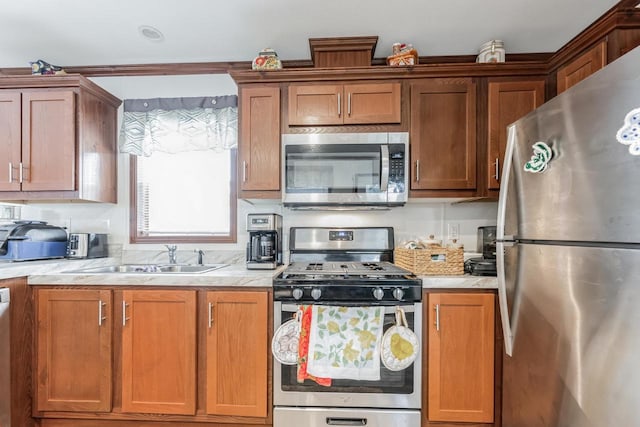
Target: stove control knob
(316, 293)
(378, 293)
(297, 293)
(398, 294)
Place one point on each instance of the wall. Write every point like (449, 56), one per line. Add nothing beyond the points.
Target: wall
(417, 219)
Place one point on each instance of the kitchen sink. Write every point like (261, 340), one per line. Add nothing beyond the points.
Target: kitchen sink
(152, 269)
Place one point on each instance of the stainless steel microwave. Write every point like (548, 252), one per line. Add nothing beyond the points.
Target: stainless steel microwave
(345, 170)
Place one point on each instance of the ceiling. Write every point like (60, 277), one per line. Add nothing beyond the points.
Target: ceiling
(76, 33)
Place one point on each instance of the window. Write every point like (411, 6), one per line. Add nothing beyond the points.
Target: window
(183, 173)
(183, 197)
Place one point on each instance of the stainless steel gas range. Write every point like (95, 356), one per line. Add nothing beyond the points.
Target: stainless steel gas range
(347, 267)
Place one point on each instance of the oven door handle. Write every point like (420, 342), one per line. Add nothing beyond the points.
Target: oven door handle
(332, 421)
(388, 309)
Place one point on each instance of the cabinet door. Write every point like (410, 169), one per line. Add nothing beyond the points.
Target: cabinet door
(582, 67)
(73, 363)
(443, 134)
(10, 140)
(315, 105)
(259, 147)
(508, 101)
(48, 140)
(237, 353)
(372, 103)
(159, 352)
(461, 357)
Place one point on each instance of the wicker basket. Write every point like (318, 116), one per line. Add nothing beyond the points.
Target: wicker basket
(433, 261)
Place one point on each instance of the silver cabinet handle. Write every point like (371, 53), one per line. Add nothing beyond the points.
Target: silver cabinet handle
(349, 104)
(100, 317)
(437, 309)
(10, 172)
(21, 174)
(497, 165)
(124, 313)
(244, 171)
(210, 315)
(417, 170)
(339, 105)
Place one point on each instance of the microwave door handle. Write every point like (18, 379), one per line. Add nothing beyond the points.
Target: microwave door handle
(384, 168)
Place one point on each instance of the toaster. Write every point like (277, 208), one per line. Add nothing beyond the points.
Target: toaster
(87, 245)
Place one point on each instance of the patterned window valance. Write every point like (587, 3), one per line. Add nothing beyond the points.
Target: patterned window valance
(174, 125)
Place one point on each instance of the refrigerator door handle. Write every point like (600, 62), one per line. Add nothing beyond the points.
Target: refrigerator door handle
(503, 241)
(504, 185)
(502, 297)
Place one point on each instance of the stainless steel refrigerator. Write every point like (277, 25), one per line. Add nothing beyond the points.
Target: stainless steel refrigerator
(568, 256)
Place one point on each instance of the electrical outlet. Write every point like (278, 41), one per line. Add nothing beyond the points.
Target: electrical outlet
(453, 231)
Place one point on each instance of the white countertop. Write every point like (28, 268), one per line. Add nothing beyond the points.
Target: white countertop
(232, 275)
(61, 272)
(459, 282)
(9, 270)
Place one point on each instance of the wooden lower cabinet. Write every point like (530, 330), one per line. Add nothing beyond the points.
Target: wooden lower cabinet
(73, 365)
(460, 336)
(144, 357)
(159, 352)
(237, 353)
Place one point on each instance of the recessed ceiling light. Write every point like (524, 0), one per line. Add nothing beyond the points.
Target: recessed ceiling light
(151, 33)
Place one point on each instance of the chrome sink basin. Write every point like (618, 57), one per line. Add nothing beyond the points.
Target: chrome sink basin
(152, 269)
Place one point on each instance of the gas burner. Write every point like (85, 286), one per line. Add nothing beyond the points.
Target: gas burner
(372, 266)
(314, 267)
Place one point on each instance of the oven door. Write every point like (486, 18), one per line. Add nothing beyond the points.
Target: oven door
(395, 389)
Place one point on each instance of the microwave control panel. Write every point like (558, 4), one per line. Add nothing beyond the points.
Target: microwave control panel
(397, 168)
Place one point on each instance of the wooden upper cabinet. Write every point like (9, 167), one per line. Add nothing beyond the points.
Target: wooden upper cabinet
(237, 353)
(315, 104)
(73, 361)
(582, 67)
(259, 139)
(508, 101)
(10, 139)
(48, 141)
(337, 104)
(159, 352)
(443, 134)
(58, 138)
(460, 336)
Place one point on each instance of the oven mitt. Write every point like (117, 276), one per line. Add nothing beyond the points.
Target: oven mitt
(284, 345)
(399, 346)
(303, 349)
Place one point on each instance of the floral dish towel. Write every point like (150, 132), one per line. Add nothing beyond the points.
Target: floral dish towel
(304, 317)
(344, 342)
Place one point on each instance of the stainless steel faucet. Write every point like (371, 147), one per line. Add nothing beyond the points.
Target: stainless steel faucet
(200, 255)
(172, 253)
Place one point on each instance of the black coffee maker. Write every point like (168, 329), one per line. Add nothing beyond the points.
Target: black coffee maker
(264, 249)
(486, 245)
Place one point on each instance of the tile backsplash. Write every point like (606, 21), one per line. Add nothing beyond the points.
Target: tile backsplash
(416, 220)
